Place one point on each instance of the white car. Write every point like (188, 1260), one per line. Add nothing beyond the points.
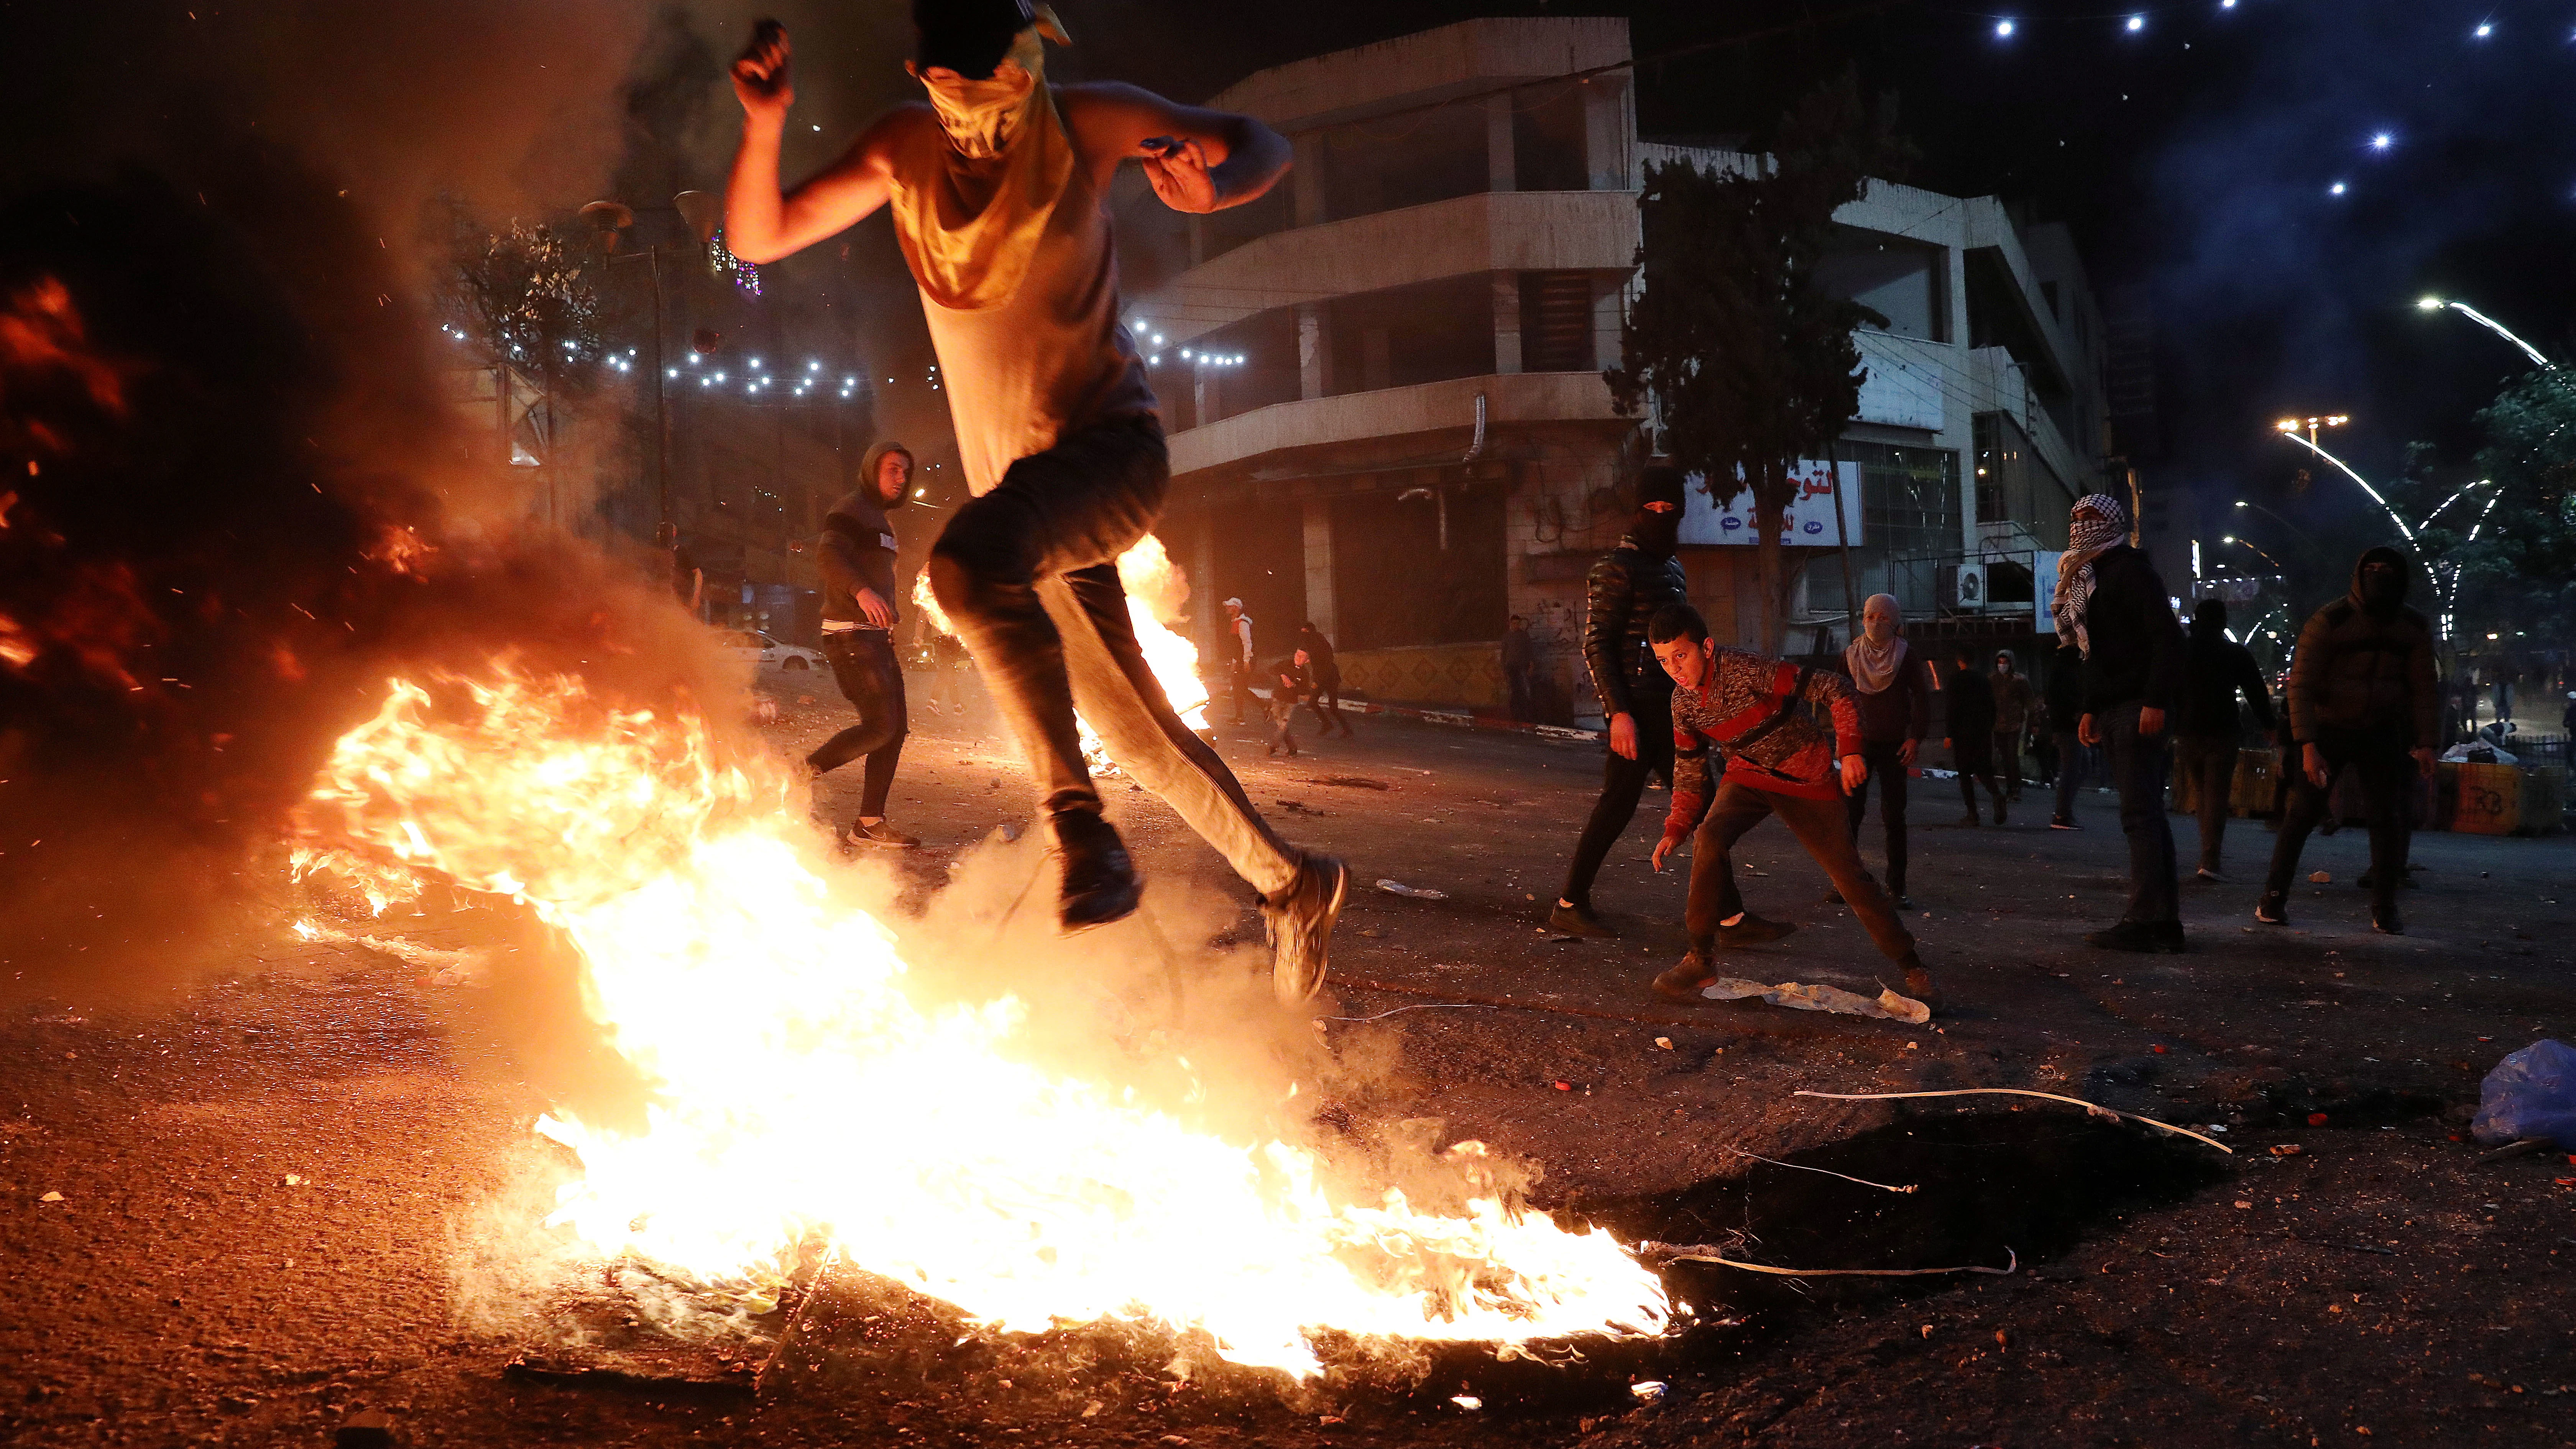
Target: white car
(768, 653)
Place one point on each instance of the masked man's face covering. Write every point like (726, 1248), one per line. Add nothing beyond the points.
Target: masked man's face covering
(971, 232)
(1657, 529)
(2383, 587)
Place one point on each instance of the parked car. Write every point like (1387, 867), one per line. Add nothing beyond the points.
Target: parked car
(768, 653)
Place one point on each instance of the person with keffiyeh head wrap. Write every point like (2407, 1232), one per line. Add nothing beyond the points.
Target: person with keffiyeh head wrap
(999, 182)
(2110, 598)
(1894, 693)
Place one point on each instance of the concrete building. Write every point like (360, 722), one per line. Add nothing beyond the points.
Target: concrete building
(1383, 380)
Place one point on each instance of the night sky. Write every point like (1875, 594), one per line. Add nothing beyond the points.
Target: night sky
(2194, 154)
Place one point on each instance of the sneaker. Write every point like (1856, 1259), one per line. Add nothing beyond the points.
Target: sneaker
(1754, 931)
(2210, 873)
(882, 833)
(2063, 822)
(1301, 927)
(1567, 920)
(1683, 982)
(2141, 936)
(2273, 909)
(1100, 881)
(1904, 902)
(2386, 921)
(1999, 810)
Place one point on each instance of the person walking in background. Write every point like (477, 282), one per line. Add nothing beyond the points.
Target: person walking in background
(1238, 662)
(1288, 687)
(2012, 722)
(1893, 692)
(1520, 660)
(1779, 761)
(2207, 727)
(855, 556)
(1623, 592)
(2112, 601)
(1323, 678)
(1969, 716)
(2065, 704)
(2362, 695)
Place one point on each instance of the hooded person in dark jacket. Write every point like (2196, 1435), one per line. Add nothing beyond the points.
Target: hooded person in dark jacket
(1969, 716)
(855, 556)
(2110, 598)
(2207, 726)
(1623, 592)
(2363, 695)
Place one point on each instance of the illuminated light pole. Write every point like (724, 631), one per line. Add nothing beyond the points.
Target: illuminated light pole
(2446, 576)
(2303, 534)
(2267, 558)
(2436, 304)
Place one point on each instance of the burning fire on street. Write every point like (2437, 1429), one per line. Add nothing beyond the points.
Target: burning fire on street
(800, 1089)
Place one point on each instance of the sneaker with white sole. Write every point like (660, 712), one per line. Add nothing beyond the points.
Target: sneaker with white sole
(1300, 922)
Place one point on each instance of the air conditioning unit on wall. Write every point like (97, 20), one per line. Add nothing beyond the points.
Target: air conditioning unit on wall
(1963, 587)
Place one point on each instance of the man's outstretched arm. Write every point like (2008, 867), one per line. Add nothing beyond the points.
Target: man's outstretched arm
(761, 224)
(1197, 159)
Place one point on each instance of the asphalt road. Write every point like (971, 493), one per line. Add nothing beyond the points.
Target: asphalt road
(277, 1187)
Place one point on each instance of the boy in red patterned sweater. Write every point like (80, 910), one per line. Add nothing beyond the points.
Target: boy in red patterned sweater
(1778, 762)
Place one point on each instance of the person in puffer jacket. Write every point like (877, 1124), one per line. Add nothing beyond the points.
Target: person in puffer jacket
(2364, 696)
(1624, 591)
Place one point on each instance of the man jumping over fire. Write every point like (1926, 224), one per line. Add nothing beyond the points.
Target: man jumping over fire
(999, 188)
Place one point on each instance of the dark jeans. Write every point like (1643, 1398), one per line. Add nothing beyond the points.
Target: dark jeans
(1974, 759)
(1822, 826)
(1028, 573)
(871, 679)
(2387, 777)
(1623, 782)
(2209, 763)
(2138, 772)
(1238, 692)
(1524, 703)
(1887, 772)
(2008, 760)
(1326, 702)
(2070, 771)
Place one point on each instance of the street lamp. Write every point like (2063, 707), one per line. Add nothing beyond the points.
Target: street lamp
(2291, 426)
(2436, 304)
(2267, 558)
(2303, 534)
(700, 212)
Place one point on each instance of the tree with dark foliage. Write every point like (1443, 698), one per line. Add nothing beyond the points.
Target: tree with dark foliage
(1748, 361)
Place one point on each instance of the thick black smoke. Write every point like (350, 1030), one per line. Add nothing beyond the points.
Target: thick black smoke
(227, 455)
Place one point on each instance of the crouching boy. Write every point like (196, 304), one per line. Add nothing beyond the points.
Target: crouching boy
(1779, 762)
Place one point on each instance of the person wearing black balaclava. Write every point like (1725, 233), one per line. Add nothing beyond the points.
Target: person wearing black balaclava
(1621, 594)
(2363, 695)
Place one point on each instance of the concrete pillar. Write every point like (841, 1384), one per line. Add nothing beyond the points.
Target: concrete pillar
(1314, 352)
(1507, 322)
(1307, 178)
(1207, 602)
(1319, 567)
(1502, 164)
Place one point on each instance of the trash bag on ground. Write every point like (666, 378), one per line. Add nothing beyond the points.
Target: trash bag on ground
(2531, 1093)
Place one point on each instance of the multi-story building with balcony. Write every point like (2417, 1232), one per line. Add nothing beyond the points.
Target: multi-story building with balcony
(1383, 379)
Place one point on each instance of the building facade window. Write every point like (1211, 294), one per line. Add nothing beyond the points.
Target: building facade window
(1909, 517)
(1556, 322)
(1404, 336)
(2015, 485)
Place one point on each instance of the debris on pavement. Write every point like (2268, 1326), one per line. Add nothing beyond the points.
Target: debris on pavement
(1648, 1392)
(1716, 1253)
(2530, 1094)
(1664, 1042)
(1399, 888)
(1797, 996)
(2095, 1109)
(51, 1197)
(2320, 877)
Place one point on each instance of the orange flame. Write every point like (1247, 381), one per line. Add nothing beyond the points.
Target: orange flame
(800, 1089)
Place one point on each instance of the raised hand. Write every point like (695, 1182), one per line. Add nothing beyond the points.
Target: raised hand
(1178, 170)
(761, 77)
